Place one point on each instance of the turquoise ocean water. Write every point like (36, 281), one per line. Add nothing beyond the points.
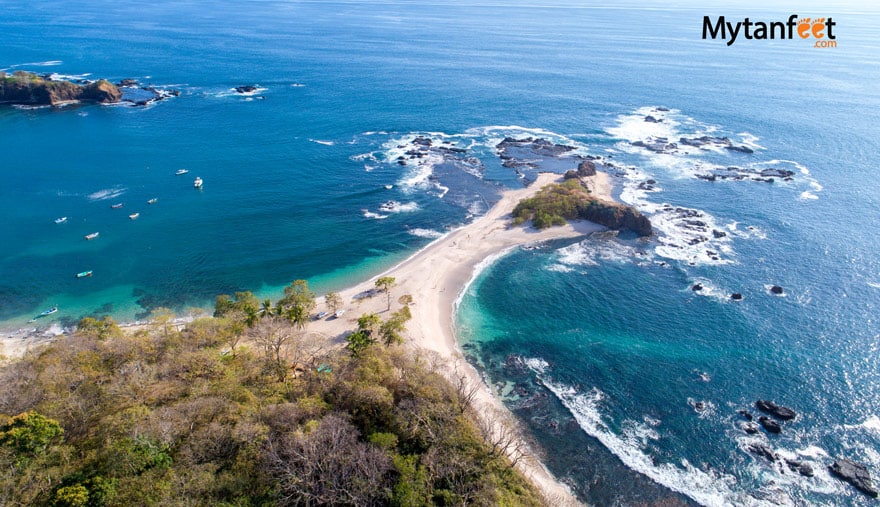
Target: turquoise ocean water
(601, 347)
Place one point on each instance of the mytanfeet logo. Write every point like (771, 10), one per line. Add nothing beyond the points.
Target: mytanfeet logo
(820, 30)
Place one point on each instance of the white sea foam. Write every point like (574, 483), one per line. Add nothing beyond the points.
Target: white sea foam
(872, 423)
(425, 233)
(750, 140)
(107, 193)
(537, 365)
(68, 77)
(710, 290)
(325, 143)
(369, 214)
(397, 207)
(710, 487)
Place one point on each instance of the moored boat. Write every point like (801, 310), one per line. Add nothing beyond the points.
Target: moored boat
(134, 215)
(92, 235)
(198, 182)
(84, 274)
(181, 171)
(60, 220)
(50, 311)
(152, 201)
(116, 206)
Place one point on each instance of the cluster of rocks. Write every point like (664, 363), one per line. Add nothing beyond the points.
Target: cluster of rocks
(665, 145)
(140, 95)
(422, 146)
(740, 173)
(584, 170)
(844, 468)
(737, 296)
(537, 146)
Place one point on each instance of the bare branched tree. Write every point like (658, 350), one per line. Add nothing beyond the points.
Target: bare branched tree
(500, 431)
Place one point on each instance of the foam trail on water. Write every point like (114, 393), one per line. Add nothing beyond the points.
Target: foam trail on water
(709, 488)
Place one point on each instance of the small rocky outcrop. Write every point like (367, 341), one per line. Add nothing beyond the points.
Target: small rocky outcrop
(749, 427)
(586, 168)
(800, 467)
(736, 296)
(746, 414)
(763, 450)
(777, 290)
(769, 424)
(697, 287)
(855, 474)
(101, 91)
(777, 411)
(245, 89)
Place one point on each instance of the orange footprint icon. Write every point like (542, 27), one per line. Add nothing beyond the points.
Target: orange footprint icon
(818, 28)
(804, 28)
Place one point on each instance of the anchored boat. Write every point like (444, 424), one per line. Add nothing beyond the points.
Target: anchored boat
(84, 274)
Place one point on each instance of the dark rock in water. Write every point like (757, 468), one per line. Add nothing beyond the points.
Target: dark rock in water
(651, 119)
(736, 296)
(749, 427)
(718, 234)
(245, 89)
(776, 289)
(699, 406)
(662, 109)
(769, 424)
(129, 82)
(762, 450)
(746, 414)
(778, 411)
(855, 474)
(570, 175)
(802, 468)
(741, 149)
(697, 287)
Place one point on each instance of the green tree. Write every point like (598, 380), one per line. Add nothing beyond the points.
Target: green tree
(391, 330)
(298, 302)
(72, 496)
(30, 433)
(333, 301)
(386, 283)
(369, 325)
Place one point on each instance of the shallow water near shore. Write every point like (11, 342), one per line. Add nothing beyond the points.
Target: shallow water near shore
(601, 346)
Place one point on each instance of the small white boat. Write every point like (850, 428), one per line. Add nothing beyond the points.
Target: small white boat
(92, 235)
(181, 171)
(152, 201)
(50, 311)
(197, 183)
(134, 215)
(116, 206)
(84, 274)
(339, 313)
(60, 220)
(389, 187)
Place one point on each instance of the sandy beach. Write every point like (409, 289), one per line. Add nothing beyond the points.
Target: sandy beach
(438, 274)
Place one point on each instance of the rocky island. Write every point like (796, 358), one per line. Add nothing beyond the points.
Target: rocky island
(27, 88)
(24, 88)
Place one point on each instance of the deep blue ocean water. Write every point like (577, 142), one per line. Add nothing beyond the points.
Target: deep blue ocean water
(601, 346)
